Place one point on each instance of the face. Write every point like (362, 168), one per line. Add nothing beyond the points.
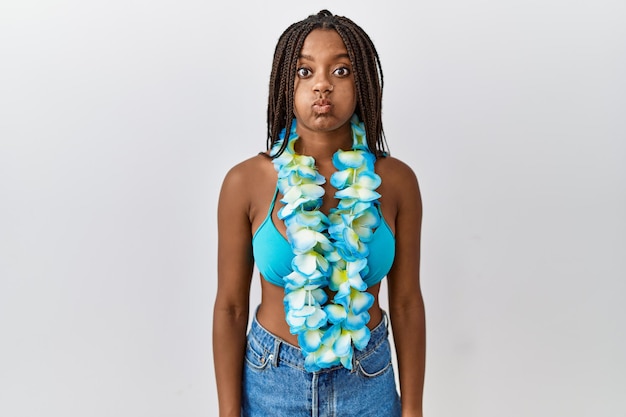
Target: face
(324, 91)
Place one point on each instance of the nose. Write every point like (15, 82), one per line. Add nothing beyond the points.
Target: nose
(322, 84)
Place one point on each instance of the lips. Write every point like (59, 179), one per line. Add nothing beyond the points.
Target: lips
(322, 105)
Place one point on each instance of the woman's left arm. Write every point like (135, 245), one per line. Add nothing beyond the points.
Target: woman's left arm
(406, 306)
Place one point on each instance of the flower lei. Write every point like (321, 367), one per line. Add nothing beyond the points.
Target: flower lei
(329, 251)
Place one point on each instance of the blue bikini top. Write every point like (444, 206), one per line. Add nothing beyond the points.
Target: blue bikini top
(273, 253)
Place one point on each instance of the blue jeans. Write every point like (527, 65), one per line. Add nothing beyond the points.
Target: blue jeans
(275, 383)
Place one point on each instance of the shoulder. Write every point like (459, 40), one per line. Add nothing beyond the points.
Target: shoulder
(399, 188)
(248, 188)
(246, 173)
(396, 174)
(244, 181)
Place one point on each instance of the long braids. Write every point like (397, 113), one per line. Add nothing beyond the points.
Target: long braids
(368, 77)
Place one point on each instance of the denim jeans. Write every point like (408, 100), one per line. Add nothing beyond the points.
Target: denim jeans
(275, 383)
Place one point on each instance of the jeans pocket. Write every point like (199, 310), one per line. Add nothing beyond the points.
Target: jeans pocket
(376, 362)
(256, 356)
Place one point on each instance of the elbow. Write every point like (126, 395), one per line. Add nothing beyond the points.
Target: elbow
(408, 304)
(232, 312)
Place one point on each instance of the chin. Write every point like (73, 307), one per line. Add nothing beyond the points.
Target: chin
(330, 121)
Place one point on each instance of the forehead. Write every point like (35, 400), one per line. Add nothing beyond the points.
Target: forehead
(323, 41)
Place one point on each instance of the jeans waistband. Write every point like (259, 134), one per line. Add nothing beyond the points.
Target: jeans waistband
(279, 351)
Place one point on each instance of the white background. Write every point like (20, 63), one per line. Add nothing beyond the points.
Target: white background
(119, 119)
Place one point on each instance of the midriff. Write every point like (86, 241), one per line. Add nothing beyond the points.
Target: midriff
(271, 312)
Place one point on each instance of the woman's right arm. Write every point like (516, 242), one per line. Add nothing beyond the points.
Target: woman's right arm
(230, 314)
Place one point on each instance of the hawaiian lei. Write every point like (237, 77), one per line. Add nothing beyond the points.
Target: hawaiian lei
(329, 251)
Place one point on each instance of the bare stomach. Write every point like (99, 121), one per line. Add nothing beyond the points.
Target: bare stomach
(271, 313)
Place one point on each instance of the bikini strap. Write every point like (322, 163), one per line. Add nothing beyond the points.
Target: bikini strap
(271, 209)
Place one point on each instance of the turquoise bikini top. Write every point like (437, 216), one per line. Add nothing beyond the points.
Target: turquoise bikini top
(273, 254)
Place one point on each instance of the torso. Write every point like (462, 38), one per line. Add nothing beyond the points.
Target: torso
(271, 313)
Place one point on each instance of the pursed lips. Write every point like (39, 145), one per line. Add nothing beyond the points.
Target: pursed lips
(322, 105)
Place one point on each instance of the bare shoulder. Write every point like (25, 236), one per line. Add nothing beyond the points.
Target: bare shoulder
(246, 177)
(397, 176)
(244, 173)
(248, 186)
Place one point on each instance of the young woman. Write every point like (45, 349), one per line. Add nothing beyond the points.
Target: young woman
(326, 214)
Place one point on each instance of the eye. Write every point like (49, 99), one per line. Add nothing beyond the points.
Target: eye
(342, 72)
(303, 72)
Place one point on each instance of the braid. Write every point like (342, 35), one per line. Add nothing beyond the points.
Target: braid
(368, 77)
(369, 86)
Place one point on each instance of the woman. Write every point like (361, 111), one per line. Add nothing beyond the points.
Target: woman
(325, 214)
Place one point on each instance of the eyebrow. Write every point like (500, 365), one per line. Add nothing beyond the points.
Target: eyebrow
(310, 58)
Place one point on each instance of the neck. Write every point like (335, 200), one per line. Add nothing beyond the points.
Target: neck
(323, 145)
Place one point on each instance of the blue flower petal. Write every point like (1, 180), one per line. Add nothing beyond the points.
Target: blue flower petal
(351, 159)
(360, 337)
(331, 334)
(346, 360)
(343, 295)
(296, 324)
(317, 319)
(307, 172)
(368, 179)
(343, 344)
(310, 218)
(305, 311)
(356, 321)
(292, 195)
(310, 340)
(305, 263)
(311, 190)
(327, 358)
(294, 281)
(310, 363)
(318, 294)
(350, 192)
(303, 240)
(357, 282)
(361, 301)
(295, 299)
(353, 268)
(335, 313)
(339, 178)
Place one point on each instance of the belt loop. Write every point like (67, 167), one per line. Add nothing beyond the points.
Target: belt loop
(277, 343)
(386, 320)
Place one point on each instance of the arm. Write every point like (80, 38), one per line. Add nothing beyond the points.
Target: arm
(230, 314)
(406, 305)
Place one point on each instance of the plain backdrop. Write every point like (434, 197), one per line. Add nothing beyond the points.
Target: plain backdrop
(120, 118)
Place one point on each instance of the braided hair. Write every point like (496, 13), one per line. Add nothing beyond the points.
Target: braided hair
(368, 77)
